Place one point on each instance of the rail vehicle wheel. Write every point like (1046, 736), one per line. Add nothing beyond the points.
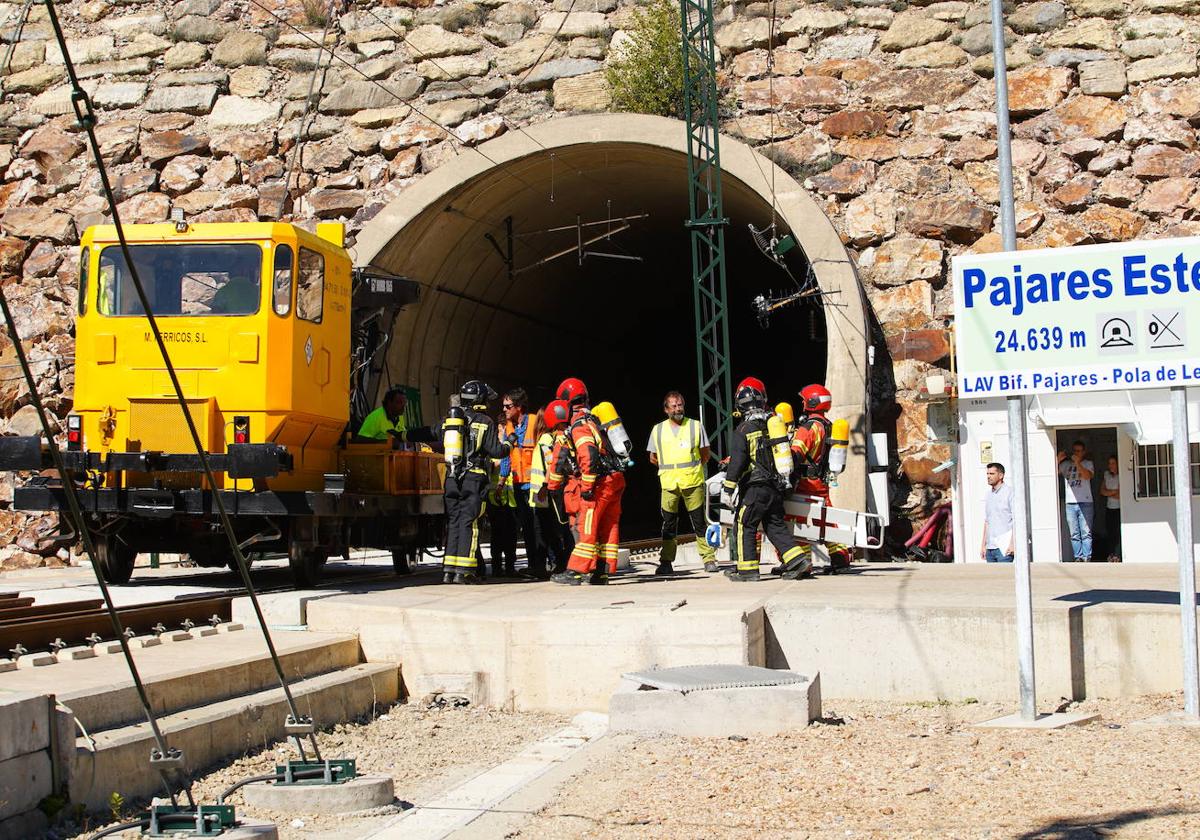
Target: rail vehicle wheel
(115, 559)
(306, 562)
(403, 559)
(231, 563)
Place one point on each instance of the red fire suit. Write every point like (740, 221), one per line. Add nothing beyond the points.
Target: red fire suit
(598, 518)
(810, 446)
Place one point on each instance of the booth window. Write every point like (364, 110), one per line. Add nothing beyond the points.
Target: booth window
(1154, 471)
(310, 286)
(282, 285)
(84, 267)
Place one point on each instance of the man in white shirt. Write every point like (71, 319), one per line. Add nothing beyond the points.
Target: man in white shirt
(997, 518)
(1077, 475)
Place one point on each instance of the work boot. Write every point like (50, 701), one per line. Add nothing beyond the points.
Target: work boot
(778, 570)
(598, 578)
(568, 577)
(448, 577)
(664, 570)
(711, 566)
(741, 577)
(469, 578)
(796, 569)
(510, 570)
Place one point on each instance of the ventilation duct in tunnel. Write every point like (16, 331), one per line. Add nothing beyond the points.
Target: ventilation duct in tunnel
(621, 317)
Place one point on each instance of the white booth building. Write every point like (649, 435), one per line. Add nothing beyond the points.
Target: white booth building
(1133, 425)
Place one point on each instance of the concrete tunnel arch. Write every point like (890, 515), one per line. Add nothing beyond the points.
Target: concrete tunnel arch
(473, 320)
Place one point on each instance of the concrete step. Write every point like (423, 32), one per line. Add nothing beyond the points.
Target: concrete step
(116, 760)
(183, 675)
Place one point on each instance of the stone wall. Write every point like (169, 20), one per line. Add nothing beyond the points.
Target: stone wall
(882, 109)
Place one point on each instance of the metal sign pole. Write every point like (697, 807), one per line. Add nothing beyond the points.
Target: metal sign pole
(1180, 451)
(1017, 443)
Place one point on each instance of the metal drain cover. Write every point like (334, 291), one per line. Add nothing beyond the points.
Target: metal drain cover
(687, 678)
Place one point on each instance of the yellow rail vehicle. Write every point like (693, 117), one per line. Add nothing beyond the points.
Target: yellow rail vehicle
(272, 335)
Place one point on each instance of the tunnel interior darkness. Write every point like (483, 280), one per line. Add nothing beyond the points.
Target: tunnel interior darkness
(624, 326)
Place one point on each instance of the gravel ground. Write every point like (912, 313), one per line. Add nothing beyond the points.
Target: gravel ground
(886, 770)
(424, 749)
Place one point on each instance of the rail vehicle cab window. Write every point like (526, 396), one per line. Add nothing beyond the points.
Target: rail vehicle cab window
(310, 286)
(182, 280)
(84, 268)
(281, 295)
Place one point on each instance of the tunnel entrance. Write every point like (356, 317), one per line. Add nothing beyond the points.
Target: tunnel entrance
(509, 295)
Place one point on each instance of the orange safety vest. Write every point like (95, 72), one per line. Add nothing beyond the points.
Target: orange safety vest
(522, 461)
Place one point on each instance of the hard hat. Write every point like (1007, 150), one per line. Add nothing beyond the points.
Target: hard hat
(752, 382)
(475, 392)
(573, 392)
(817, 398)
(557, 413)
(750, 397)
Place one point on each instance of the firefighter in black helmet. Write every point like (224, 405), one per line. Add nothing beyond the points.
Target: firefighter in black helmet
(467, 477)
(754, 489)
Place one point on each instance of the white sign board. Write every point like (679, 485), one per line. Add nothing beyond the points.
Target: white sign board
(1089, 318)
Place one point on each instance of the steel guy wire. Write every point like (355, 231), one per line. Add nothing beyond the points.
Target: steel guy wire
(87, 119)
(76, 512)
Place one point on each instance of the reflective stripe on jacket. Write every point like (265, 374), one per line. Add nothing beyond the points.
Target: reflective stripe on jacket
(679, 464)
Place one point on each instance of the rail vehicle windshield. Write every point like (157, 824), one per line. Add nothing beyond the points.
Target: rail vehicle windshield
(195, 279)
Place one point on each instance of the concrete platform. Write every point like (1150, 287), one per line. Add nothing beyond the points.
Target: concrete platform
(357, 794)
(882, 631)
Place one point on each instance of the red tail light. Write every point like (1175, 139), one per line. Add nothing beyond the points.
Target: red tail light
(241, 429)
(74, 432)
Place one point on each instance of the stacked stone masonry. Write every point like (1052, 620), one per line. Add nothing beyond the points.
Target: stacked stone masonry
(883, 110)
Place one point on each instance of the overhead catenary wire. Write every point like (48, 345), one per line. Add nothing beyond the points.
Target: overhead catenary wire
(313, 93)
(81, 103)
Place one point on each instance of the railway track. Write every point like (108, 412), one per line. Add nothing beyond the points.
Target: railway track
(27, 627)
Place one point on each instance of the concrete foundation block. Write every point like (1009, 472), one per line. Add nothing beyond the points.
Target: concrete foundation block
(146, 642)
(205, 631)
(74, 653)
(23, 826)
(25, 780)
(280, 609)
(715, 713)
(622, 559)
(36, 660)
(231, 627)
(24, 723)
(177, 636)
(357, 794)
(7, 665)
(473, 686)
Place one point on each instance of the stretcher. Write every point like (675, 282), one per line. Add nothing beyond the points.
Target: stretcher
(813, 522)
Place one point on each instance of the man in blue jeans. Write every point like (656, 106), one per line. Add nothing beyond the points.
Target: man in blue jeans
(1077, 472)
(997, 518)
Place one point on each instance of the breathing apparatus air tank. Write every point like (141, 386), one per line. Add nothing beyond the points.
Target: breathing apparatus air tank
(781, 446)
(786, 414)
(453, 437)
(618, 439)
(839, 444)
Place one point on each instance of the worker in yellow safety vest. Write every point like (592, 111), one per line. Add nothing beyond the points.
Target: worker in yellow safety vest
(679, 447)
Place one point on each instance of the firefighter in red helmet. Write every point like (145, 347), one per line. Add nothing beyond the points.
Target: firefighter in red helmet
(561, 485)
(754, 489)
(810, 446)
(601, 484)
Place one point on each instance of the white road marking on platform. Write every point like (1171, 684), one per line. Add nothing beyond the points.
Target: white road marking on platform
(464, 804)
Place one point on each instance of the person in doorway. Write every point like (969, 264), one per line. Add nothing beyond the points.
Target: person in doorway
(1077, 472)
(518, 422)
(679, 447)
(1111, 491)
(388, 422)
(753, 489)
(997, 518)
(502, 516)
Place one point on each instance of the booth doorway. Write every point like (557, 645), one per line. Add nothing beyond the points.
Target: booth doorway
(1100, 443)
